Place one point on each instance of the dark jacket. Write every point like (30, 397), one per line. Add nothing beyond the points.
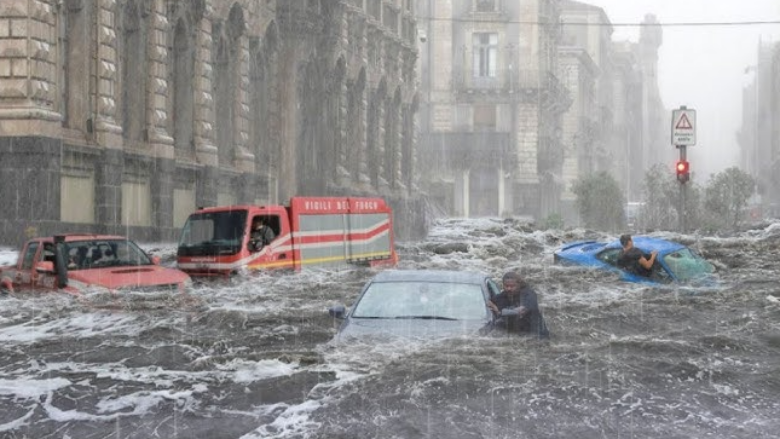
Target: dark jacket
(264, 235)
(533, 321)
(629, 261)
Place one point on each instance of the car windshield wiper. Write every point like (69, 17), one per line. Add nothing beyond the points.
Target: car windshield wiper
(426, 317)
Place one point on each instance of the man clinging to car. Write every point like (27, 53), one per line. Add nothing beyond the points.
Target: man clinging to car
(522, 305)
(633, 260)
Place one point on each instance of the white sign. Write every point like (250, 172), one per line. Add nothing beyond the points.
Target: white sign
(683, 127)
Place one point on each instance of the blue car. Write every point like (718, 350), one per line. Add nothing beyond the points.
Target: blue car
(423, 304)
(674, 262)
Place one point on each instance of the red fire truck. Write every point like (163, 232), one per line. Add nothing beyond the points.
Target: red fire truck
(311, 231)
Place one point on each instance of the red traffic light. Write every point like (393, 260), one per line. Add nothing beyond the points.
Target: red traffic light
(683, 171)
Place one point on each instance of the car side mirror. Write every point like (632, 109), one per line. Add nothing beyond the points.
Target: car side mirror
(156, 260)
(45, 267)
(338, 311)
(509, 312)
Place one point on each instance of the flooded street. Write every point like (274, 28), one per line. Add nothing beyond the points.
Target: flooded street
(252, 359)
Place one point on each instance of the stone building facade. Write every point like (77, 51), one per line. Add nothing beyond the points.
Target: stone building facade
(122, 116)
(491, 106)
(759, 135)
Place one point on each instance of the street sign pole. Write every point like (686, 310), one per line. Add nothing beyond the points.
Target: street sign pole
(683, 213)
(683, 136)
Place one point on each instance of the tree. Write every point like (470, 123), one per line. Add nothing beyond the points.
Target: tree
(600, 202)
(662, 206)
(727, 194)
(658, 212)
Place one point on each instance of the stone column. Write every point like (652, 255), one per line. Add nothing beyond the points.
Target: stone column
(250, 188)
(162, 186)
(205, 149)
(107, 132)
(288, 119)
(207, 189)
(28, 68)
(244, 159)
(379, 155)
(108, 189)
(157, 88)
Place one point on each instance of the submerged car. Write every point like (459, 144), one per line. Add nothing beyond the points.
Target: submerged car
(426, 304)
(674, 262)
(79, 264)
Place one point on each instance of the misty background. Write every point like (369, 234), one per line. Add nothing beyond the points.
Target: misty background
(704, 67)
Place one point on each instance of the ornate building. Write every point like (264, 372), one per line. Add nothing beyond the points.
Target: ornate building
(491, 106)
(122, 116)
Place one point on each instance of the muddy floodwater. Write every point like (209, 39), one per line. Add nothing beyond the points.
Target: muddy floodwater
(252, 358)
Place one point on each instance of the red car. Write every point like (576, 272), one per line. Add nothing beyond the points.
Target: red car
(79, 264)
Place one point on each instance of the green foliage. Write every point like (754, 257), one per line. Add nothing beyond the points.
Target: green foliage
(663, 209)
(600, 202)
(658, 212)
(726, 197)
(554, 221)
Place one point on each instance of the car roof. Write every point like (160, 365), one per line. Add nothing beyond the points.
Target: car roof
(463, 277)
(72, 237)
(649, 243)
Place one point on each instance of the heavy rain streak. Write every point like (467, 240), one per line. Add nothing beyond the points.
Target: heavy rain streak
(253, 358)
(194, 193)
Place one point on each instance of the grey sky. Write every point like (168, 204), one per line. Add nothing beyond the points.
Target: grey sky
(703, 67)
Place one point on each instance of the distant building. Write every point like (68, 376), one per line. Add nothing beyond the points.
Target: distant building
(759, 136)
(491, 105)
(124, 116)
(617, 122)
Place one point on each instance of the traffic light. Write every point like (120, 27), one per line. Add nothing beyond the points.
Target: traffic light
(683, 171)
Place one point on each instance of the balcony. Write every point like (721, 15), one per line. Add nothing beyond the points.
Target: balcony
(466, 150)
(505, 81)
(487, 10)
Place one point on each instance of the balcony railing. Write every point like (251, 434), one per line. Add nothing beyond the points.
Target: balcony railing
(466, 149)
(504, 80)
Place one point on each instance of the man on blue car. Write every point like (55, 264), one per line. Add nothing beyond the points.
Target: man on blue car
(633, 260)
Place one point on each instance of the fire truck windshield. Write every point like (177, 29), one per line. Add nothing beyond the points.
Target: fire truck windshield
(213, 233)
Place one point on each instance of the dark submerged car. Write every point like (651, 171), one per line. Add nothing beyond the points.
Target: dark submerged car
(425, 304)
(674, 262)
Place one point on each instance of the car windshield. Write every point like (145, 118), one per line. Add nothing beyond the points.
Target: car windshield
(687, 265)
(97, 253)
(213, 233)
(428, 300)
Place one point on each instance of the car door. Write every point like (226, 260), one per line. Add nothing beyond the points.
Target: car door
(45, 280)
(24, 277)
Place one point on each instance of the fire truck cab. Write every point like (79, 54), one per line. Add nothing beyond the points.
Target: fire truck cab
(310, 231)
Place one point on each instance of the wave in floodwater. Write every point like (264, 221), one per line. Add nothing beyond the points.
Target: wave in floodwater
(252, 358)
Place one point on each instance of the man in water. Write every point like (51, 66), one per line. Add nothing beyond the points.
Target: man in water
(519, 296)
(633, 260)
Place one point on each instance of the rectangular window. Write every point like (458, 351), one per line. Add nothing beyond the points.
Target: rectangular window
(485, 55)
(136, 203)
(29, 256)
(486, 5)
(484, 118)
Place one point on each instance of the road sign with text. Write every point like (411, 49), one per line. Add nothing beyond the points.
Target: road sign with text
(683, 127)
